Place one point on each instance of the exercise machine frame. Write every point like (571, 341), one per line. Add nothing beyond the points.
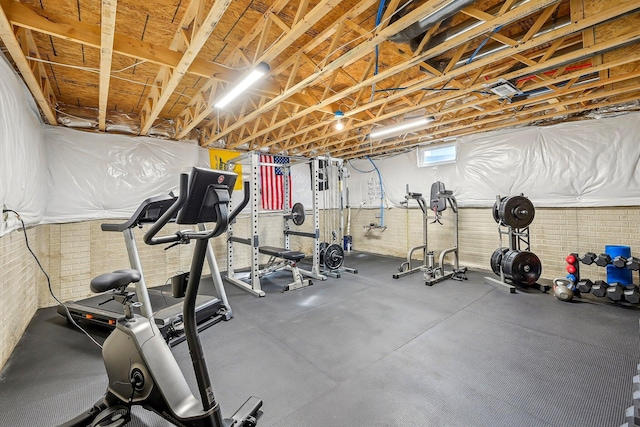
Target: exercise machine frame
(210, 309)
(251, 282)
(140, 367)
(433, 274)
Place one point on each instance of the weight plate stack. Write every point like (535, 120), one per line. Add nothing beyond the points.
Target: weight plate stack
(514, 211)
(521, 267)
(333, 257)
(496, 260)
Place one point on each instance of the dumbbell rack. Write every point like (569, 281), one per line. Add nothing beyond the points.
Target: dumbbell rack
(614, 291)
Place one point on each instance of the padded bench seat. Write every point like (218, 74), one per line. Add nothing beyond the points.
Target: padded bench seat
(283, 253)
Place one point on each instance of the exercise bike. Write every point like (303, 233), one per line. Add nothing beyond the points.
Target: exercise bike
(140, 366)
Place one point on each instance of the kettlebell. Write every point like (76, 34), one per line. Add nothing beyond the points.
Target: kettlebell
(561, 289)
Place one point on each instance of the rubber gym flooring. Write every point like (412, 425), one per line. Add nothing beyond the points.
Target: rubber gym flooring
(368, 350)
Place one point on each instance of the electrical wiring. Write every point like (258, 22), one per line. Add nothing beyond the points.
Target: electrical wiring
(69, 317)
(358, 170)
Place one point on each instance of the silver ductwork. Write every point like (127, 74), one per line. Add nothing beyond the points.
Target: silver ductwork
(423, 25)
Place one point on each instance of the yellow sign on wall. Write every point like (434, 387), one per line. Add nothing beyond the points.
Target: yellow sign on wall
(219, 161)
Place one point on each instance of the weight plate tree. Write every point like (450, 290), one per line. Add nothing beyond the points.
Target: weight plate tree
(515, 264)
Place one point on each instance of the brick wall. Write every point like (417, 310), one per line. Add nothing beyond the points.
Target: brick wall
(554, 234)
(20, 281)
(74, 253)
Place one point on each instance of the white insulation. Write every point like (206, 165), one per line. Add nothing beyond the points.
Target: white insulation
(576, 164)
(95, 176)
(23, 163)
(53, 174)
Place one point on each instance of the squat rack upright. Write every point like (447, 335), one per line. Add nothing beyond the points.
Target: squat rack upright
(252, 284)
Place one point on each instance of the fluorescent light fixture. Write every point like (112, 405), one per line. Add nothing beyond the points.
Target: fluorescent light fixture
(255, 74)
(400, 128)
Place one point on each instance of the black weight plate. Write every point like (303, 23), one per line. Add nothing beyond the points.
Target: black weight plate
(494, 211)
(333, 257)
(516, 211)
(323, 247)
(521, 267)
(297, 214)
(496, 260)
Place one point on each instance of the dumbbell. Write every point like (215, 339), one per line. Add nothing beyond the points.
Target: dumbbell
(619, 261)
(633, 264)
(615, 291)
(603, 260)
(584, 286)
(599, 288)
(588, 258)
(631, 295)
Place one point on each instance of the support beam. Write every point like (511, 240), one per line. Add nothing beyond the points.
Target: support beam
(201, 28)
(34, 76)
(108, 30)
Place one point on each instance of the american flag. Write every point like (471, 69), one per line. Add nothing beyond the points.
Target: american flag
(272, 182)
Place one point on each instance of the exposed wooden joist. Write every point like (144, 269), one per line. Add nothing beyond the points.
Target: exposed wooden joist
(559, 33)
(366, 47)
(201, 28)
(361, 50)
(108, 30)
(517, 74)
(72, 30)
(518, 109)
(34, 76)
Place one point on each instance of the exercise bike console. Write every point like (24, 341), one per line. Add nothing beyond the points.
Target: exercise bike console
(140, 365)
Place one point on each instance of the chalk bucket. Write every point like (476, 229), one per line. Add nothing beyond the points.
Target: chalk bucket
(615, 274)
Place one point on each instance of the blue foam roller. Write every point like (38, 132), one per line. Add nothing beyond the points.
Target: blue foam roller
(615, 274)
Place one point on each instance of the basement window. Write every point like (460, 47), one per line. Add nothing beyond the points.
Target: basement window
(436, 155)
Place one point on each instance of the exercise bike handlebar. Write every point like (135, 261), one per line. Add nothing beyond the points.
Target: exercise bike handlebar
(149, 236)
(223, 217)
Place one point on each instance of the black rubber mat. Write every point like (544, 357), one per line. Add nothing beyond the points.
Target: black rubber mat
(368, 350)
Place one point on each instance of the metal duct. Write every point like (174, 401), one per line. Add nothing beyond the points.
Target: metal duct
(423, 25)
(456, 30)
(488, 49)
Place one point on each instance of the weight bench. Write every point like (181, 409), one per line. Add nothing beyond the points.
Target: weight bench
(291, 263)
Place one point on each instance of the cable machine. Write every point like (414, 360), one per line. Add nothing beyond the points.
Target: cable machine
(334, 244)
(279, 258)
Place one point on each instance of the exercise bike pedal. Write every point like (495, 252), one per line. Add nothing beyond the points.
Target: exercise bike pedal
(115, 416)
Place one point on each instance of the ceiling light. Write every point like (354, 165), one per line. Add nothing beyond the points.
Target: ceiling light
(259, 71)
(339, 115)
(400, 128)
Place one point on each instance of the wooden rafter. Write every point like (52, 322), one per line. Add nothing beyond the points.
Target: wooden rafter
(20, 45)
(354, 54)
(108, 30)
(188, 120)
(523, 72)
(519, 111)
(500, 56)
(367, 46)
(191, 42)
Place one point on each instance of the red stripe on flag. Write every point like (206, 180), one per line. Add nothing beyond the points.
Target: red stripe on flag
(272, 184)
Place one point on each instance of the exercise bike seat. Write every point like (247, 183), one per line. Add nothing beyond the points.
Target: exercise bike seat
(114, 280)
